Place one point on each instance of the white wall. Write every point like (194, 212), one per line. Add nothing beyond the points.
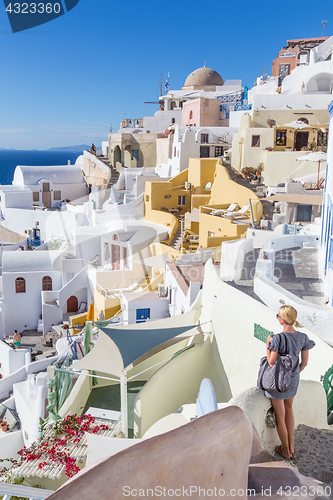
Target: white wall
(161, 120)
(159, 308)
(50, 223)
(11, 359)
(310, 406)
(10, 444)
(22, 310)
(6, 383)
(180, 301)
(16, 199)
(232, 258)
(30, 398)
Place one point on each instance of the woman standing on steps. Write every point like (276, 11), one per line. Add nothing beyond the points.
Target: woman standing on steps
(294, 343)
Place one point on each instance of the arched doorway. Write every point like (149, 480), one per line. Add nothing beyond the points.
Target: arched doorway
(116, 155)
(72, 304)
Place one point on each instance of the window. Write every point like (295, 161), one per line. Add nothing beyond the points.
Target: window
(174, 151)
(173, 104)
(211, 234)
(304, 213)
(20, 285)
(35, 196)
(218, 151)
(322, 138)
(46, 283)
(304, 120)
(204, 151)
(46, 187)
(57, 195)
(255, 143)
(204, 138)
(173, 120)
(135, 154)
(115, 237)
(281, 137)
(182, 200)
(284, 69)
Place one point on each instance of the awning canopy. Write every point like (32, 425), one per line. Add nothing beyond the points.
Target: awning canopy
(316, 156)
(303, 199)
(118, 349)
(298, 125)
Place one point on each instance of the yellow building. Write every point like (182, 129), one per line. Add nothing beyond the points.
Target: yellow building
(205, 185)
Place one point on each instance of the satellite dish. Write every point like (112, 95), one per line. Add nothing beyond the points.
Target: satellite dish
(206, 401)
(208, 186)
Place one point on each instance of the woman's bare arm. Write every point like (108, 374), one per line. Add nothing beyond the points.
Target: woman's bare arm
(271, 355)
(304, 360)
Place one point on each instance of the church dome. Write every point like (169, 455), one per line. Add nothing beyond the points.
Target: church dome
(203, 77)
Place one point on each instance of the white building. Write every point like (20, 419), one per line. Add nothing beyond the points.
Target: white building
(174, 152)
(25, 276)
(283, 121)
(51, 185)
(139, 307)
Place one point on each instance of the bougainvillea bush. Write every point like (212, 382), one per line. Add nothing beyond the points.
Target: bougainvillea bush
(53, 447)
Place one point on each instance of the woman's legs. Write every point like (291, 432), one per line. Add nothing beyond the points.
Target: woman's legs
(290, 422)
(280, 415)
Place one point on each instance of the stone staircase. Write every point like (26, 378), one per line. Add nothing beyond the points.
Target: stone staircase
(177, 239)
(114, 172)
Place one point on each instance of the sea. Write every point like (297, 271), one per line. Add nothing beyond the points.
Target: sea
(9, 159)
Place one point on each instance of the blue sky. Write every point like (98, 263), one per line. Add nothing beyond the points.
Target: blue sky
(67, 81)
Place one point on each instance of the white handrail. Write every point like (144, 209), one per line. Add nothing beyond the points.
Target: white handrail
(19, 490)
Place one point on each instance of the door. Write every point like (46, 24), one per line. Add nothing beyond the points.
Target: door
(46, 195)
(72, 304)
(142, 315)
(301, 140)
(304, 213)
(116, 257)
(204, 151)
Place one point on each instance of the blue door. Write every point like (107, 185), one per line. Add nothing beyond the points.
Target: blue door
(142, 315)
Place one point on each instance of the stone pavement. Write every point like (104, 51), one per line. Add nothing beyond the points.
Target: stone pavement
(297, 270)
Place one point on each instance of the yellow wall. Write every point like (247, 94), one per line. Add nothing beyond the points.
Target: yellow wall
(200, 172)
(226, 191)
(223, 228)
(200, 199)
(78, 319)
(102, 303)
(223, 192)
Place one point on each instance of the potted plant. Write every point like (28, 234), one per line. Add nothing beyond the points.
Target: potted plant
(259, 169)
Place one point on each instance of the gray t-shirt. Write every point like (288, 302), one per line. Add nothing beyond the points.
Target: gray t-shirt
(293, 344)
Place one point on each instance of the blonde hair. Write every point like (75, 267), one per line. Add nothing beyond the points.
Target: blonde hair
(289, 315)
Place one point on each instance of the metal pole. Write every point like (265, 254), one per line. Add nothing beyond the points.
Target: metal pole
(181, 235)
(123, 404)
(251, 209)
